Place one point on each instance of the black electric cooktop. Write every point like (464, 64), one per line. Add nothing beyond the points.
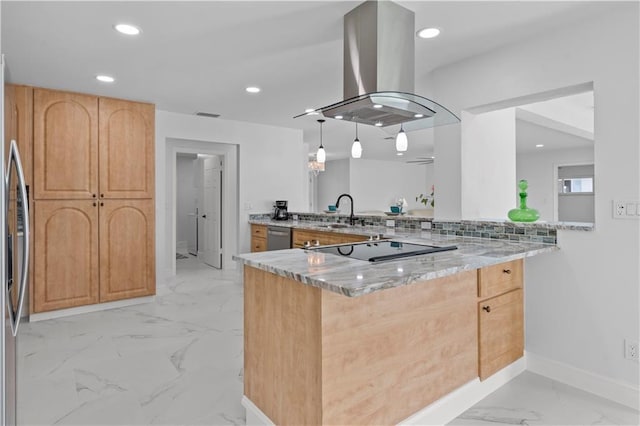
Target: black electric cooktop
(377, 251)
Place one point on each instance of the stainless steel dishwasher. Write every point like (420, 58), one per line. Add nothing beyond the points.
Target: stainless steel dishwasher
(278, 238)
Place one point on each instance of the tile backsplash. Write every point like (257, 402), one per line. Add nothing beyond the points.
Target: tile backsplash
(542, 232)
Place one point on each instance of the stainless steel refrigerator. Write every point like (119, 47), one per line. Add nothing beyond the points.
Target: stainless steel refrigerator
(14, 251)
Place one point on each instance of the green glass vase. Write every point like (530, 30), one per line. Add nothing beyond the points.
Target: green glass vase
(523, 214)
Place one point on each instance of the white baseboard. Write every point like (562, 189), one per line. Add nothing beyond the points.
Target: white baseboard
(255, 416)
(622, 393)
(440, 412)
(460, 400)
(89, 308)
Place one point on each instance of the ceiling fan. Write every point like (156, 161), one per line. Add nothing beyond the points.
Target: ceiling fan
(421, 160)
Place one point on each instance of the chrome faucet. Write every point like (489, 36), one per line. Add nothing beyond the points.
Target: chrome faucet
(351, 218)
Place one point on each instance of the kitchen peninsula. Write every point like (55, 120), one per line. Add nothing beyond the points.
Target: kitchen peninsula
(335, 340)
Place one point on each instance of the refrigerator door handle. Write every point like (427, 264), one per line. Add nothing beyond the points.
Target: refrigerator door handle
(14, 158)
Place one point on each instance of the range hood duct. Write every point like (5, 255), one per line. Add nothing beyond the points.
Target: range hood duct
(379, 71)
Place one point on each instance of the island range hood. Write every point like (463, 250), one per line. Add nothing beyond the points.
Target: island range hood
(379, 68)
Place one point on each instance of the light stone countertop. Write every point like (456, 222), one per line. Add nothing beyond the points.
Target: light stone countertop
(353, 277)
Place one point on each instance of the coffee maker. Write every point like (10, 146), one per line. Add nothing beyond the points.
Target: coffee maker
(280, 210)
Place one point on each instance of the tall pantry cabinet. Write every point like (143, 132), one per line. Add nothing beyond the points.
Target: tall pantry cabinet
(93, 189)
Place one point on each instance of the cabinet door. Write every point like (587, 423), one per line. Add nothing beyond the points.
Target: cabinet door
(127, 249)
(18, 126)
(126, 149)
(501, 326)
(66, 254)
(65, 145)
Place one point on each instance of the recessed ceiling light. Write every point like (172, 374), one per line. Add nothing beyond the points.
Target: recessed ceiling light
(377, 106)
(338, 117)
(429, 33)
(378, 124)
(418, 115)
(105, 78)
(539, 145)
(399, 153)
(252, 89)
(127, 29)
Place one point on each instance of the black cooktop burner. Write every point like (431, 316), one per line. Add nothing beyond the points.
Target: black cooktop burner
(377, 251)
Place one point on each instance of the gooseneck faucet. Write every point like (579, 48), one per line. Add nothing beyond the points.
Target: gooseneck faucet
(351, 218)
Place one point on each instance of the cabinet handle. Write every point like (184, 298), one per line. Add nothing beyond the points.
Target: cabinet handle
(486, 308)
(101, 204)
(94, 195)
(95, 204)
(101, 195)
(506, 271)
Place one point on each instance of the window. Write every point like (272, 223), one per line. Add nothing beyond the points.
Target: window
(575, 185)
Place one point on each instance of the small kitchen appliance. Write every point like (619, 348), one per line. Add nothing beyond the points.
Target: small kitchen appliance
(280, 210)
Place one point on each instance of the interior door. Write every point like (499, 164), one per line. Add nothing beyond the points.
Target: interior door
(210, 213)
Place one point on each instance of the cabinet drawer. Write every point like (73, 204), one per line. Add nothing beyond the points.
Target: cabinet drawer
(300, 236)
(498, 279)
(259, 231)
(258, 244)
(501, 332)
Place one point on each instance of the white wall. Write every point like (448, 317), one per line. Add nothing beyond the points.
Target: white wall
(582, 301)
(488, 164)
(185, 200)
(271, 166)
(538, 169)
(375, 184)
(332, 182)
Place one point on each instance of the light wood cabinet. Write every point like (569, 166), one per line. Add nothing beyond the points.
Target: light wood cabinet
(324, 238)
(65, 145)
(93, 182)
(127, 249)
(126, 149)
(18, 125)
(500, 317)
(66, 254)
(258, 238)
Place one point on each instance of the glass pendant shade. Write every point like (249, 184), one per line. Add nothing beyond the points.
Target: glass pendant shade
(402, 143)
(356, 148)
(321, 156)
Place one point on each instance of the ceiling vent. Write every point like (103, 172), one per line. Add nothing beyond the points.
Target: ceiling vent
(207, 114)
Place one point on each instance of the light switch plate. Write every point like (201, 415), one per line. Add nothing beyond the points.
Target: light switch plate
(425, 225)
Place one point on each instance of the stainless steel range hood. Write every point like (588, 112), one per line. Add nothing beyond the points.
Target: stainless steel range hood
(379, 71)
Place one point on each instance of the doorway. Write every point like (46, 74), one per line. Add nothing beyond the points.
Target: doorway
(198, 207)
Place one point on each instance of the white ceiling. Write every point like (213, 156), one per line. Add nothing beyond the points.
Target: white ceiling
(199, 56)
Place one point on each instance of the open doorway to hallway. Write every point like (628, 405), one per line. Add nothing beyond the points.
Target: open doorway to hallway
(198, 208)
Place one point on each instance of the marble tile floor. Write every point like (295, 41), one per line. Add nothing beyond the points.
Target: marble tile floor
(178, 361)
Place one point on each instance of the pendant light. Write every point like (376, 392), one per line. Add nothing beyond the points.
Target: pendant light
(401, 140)
(356, 148)
(321, 156)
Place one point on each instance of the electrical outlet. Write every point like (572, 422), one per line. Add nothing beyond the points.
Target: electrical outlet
(619, 208)
(425, 225)
(630, 350)
(391, 223)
